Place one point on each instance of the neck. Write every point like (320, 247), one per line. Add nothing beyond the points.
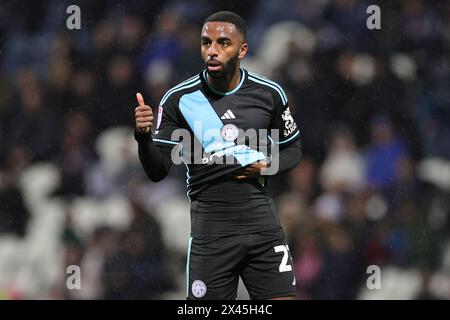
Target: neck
(226, 84)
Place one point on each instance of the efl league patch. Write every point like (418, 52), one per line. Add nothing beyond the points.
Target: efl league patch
(229, 132)
(160, 112)
(198, 288)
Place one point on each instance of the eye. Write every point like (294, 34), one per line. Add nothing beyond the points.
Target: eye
(206, 42)
(225, 43)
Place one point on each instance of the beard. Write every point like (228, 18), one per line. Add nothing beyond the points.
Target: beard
(228, 69)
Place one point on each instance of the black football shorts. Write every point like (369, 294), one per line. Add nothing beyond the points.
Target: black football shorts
(263, 261)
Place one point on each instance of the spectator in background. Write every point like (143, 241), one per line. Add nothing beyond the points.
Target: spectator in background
(100, 247)
(384, 154)
(308, 263)
(75, 155)
(35, 126)
(343, 168)
(116, 93)
(83, 98)
(102, 49)
(165, 42)
(312, 106)
(130, 36)
(418, 26)
(355, 220)
(137, 270)
(6, 110)
(435, 135)
(341, 267)
(14, 214)
(303, 180)
(292, 214)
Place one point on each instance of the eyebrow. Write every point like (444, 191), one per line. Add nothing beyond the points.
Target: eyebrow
(218, 40)
(223, 39)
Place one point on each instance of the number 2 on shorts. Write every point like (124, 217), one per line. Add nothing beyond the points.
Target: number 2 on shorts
(284, 267)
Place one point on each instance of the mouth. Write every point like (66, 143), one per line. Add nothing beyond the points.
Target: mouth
(214, 66)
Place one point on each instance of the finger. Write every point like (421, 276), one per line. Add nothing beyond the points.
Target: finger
(250, 174)
(144, 119)
(144, 113)
(141, 116)
(145, 129)
(143, 108)
(145, 124)
(140, 99)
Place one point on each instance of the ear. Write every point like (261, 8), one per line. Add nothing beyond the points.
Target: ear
(243, 50)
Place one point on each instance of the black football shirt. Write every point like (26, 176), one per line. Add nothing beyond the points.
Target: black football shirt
(214, 143)
(211, 118)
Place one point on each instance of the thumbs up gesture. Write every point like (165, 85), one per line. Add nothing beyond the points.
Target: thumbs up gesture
(143, 115)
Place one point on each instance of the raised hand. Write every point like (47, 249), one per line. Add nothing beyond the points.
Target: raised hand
(143, 115)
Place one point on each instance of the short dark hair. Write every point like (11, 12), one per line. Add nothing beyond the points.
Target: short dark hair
(230, 17)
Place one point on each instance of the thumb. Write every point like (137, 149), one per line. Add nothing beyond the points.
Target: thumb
(140, 99)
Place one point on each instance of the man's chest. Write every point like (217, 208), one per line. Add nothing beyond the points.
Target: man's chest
(241, 111)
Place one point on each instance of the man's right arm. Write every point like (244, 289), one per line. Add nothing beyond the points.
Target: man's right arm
(154, 158)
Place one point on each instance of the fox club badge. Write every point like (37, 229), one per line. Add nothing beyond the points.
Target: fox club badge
(229, 132)
(198, 288)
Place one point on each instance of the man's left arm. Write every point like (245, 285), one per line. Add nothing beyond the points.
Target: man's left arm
(287, 152)
(288, 156)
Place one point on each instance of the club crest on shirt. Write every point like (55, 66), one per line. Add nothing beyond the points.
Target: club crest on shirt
(229, 132)
(289, 123)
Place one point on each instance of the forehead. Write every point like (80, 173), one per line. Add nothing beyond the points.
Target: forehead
(217, 29)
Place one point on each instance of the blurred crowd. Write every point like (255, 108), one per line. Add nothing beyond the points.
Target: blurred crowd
(373, 107)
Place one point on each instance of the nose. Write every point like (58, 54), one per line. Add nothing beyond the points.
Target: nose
(212, 51)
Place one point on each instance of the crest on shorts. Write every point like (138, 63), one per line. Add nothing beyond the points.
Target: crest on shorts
(198, 288)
